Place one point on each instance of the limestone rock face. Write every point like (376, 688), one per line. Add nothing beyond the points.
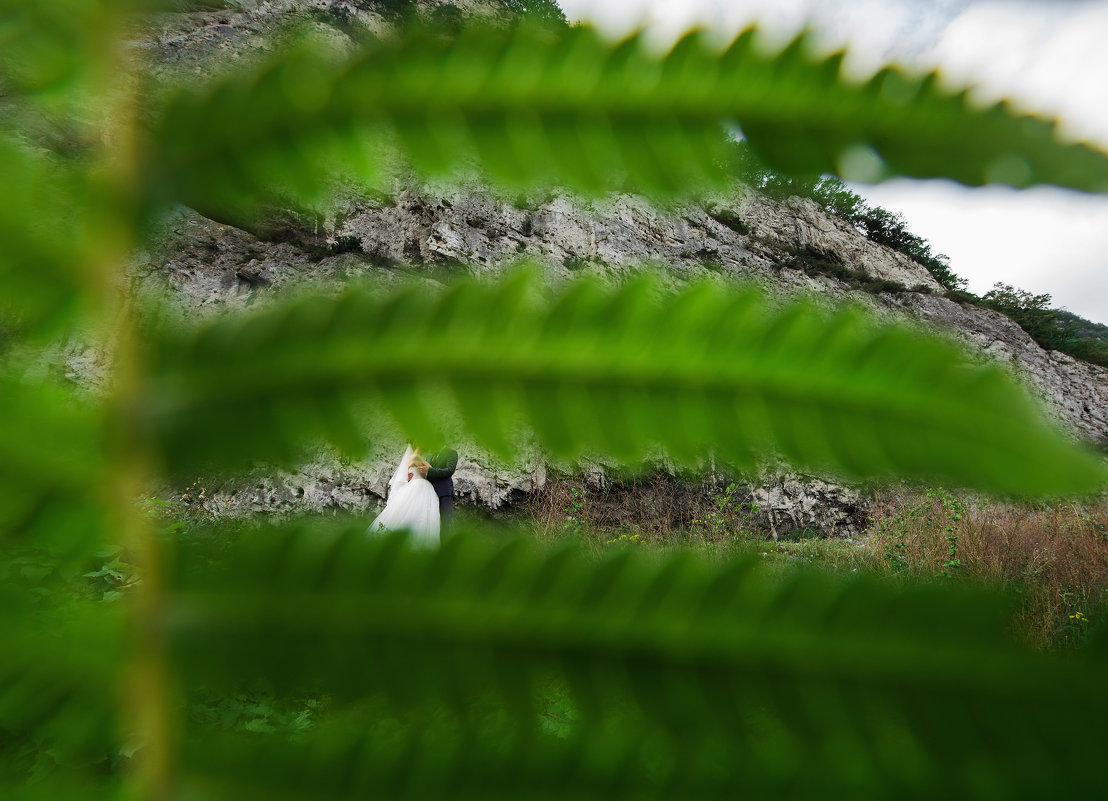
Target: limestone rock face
(185, 41)
(1075, 393)
(743, 233)
(792, 502)
(211, 267)
(800, 224)
(329, 484)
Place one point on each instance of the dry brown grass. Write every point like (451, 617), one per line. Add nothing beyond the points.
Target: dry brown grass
(657, 507)
(1054, 558)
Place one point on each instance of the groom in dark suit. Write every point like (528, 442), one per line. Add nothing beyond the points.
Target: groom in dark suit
(443, 463)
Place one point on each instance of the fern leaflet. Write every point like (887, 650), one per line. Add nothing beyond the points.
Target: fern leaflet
(530, 107)
(52, 467)
(42, 222)
(707, 370)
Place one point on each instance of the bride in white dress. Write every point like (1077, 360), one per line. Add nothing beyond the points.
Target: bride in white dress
(413, 504)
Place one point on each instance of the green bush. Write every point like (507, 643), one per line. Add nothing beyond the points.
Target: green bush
(1054, 329)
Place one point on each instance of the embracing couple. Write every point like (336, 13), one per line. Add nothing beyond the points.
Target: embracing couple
(421, 495)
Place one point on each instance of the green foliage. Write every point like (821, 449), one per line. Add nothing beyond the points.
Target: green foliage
(542, 11)
(112, 579)
(181, 671)
(42, 217)
(942, 511)
(830, 192)
(953, 510)
(574, 512)
(1054, 329)
(52, 465)
(47, 45)
(712, 679)
(1083, 339)
(730, 519)
(253, 711)
(732, 221)
(61, 657)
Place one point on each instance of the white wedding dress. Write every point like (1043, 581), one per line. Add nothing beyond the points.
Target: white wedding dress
(413, 505)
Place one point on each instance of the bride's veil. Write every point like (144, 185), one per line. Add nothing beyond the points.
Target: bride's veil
(400, 477)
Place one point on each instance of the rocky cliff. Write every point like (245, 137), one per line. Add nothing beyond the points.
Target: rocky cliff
(793, 246)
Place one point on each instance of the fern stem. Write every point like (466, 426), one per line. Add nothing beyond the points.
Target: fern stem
(113, 236)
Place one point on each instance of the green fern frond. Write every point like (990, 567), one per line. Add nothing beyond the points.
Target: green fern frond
(43, 45)
(686, 679)
(709, 370)
(59, 669)
(531, 107)
(52, 465)
(87, 788)
(42, 264)
(47, 50)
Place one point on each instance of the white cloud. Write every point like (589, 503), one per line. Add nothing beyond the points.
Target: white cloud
(1047, 241)
(1049, 57)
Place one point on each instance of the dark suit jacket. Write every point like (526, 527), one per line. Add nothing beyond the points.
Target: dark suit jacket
(443, 463)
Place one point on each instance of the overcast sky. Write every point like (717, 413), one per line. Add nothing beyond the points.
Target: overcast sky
(1047, 56)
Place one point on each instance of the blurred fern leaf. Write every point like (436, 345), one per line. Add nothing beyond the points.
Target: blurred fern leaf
(45, 47)
(42, 220)
(533, 107)
(58, 716)
(710, 369)
(688, 679)
(52, 467)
